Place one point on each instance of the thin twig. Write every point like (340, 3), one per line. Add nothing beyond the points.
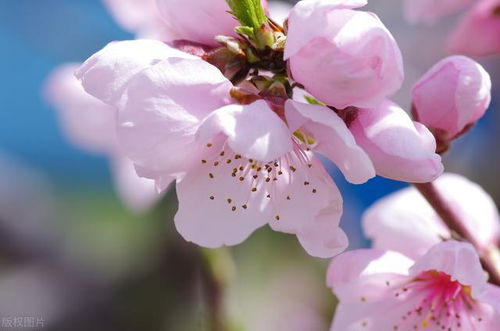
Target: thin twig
(455, 224)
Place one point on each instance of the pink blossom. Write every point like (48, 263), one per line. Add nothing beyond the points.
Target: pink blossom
(451, 96)
(398, 147)
(445, 289)
(90, 125)
(140, 17)
(341, 56)
(238, 167)
(406, 223)
(477, 34)
(429, 11)
(199, 20)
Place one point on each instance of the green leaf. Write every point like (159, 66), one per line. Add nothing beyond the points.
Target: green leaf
(248, 12)
(313, 101)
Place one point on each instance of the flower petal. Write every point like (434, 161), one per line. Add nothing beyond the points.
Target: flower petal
(307, 16)
(398, 148)
(254, 130)
(87, 122)
(139, 194)
(459, 260)
(216, 208)
(164, 105)
(367, 274)
(334, 140)
(306, 202)
(405, 222)
(139, 17)
(106, 73)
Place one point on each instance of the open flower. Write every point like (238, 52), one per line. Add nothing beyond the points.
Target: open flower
(341, 56)
(237, 166)
(241, 166)
(90, 125)
(405, 222)
(445, 289)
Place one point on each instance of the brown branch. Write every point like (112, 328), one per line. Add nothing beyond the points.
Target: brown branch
(455, 224)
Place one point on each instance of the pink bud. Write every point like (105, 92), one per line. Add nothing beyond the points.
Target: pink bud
(343, 57)
(479, 32)
(451, 97)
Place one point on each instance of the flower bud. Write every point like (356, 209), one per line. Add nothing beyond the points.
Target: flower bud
(341, 56)
(451, 97)
(477, 34)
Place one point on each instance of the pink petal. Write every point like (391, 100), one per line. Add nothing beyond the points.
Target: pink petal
(185, 17)
(140, 17)
(334, 140)
(106, 73)
(307, 16)
(429, 11)
(216, 209)
(138, 194)
(254, 130)
(491, 296)
(477, 33)
(165, 103)
(306, 202)
(398, 148)
(87, 122)
(452, 95)
(404, 222)
(367, 274)
(279, 11)
(459, 260)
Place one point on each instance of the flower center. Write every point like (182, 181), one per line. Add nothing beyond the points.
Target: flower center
(254, 181)
(441, 303)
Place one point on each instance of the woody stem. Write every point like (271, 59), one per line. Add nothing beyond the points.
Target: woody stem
(456, 225)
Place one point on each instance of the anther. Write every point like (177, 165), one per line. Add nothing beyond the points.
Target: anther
(212, 197)
(216, 163)
(229, 200)
(254, 189)
(306, 183)
(221, 153)
(242, 179)
(209, 145)
(288, 197)
(233, 208)
(244, 206)
(203, 161)
(211, 175)
(314, 190)
(255, 176)
(268, 180)
(277, 217)
(229, 161)
(293, 168)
